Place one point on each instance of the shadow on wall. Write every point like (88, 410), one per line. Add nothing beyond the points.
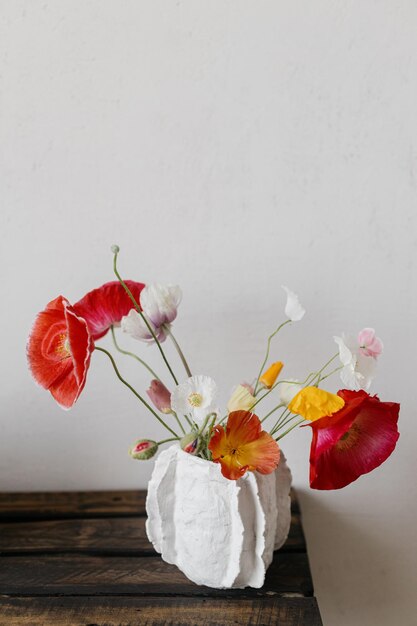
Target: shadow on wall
(355, 565)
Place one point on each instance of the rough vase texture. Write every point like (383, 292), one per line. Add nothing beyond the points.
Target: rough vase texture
(218, 532)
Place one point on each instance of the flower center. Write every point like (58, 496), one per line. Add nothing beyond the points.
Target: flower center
(63, 348)
(349, 438)
(195, 399)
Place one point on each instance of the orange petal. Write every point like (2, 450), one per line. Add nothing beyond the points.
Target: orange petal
(269, 377)
(261, 455)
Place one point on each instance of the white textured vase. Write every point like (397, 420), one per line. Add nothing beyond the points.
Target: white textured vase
(218, 532)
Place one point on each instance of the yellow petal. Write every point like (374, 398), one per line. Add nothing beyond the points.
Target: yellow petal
(269, 377)
(240, 400)
(313, 403)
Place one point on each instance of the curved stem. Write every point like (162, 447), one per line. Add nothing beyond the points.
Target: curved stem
(134, 356)
(273, 411)
(166, 440)
(307, 381)
(139, 310)
(267, 351)
(180, 352)
(119, 376)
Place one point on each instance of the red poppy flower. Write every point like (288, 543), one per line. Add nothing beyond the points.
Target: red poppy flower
(243, 446)
(59, 349)
(353, 441)
(106, 305)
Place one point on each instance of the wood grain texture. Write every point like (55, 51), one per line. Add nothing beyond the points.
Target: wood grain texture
(88, 575)
(84, 558)
(67, 505)
(112, 536)
(84, 504)
(121, 611)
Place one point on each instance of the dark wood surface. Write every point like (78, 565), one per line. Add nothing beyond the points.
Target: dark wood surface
(84, 558)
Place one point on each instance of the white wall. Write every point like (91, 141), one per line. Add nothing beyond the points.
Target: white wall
(228, 146)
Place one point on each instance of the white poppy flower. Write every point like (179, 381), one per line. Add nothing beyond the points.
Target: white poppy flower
(358, 370)
(159, 305)
(288, 390)
(195, 397)
(293, 309)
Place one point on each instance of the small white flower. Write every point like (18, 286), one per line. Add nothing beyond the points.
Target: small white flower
(358, 370)
(288, 390)
(293, 309)
(133, 325)
(195, 397)
(159, 305)
(160, 302)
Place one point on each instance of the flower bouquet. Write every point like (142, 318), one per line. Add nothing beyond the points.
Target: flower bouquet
(218, 501)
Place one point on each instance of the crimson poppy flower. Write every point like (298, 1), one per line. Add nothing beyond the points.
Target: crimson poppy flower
(243, 446)
(59, 350)
(106, 305)
(353, 441)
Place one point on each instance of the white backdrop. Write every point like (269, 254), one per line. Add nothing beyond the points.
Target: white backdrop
(230, 147)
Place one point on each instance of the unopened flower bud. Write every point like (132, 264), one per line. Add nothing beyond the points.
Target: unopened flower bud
(160, 396)
(143, 449)
(189, 443)
(269, 377)
(115, 249)
(240, 400)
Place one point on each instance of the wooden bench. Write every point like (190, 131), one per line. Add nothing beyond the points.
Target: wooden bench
(84, 558)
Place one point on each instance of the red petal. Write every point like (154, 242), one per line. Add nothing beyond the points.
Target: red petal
(353, 441)
(58, 351)
(105, 306)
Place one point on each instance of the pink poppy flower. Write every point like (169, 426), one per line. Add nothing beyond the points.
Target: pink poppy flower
(369, 343)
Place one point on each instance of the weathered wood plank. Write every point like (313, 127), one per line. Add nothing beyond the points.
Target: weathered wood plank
(89, 575)
(111, 536)
(70, 505)
(67, 505)
(128, 611)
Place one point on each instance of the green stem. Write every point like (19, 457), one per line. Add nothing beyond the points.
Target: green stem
(180, 352)
(308, 381)
(279, 421)
(134, 356)
(166, 440)
(119, 376)
(290, 429)
(273, 411)
(337, 369)
(267, 351)
(138, 309)
(286, 419)
(178, 421)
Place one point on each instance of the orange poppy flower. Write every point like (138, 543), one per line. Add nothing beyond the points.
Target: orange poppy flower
(243, 446)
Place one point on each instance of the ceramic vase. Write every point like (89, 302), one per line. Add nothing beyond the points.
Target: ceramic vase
(220, 533)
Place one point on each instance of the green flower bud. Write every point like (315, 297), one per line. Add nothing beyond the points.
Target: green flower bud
(143, 449)
(189, 443)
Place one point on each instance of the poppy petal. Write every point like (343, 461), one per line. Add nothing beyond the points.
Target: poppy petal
(59, 350)
(352, 442)
(106, 305)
